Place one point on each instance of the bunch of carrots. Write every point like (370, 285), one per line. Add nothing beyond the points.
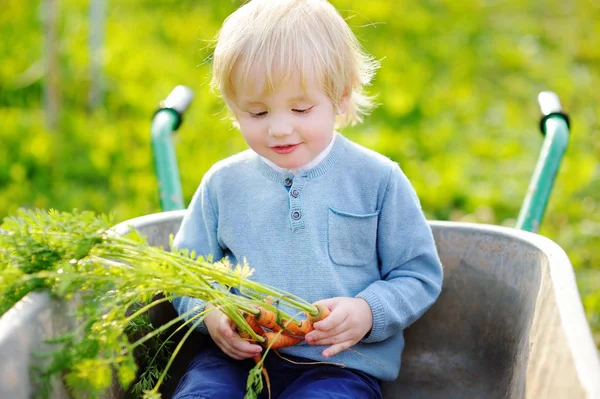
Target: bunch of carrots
(71, 253)
(278, 332)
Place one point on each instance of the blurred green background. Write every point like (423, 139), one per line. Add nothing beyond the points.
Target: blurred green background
(457, 88)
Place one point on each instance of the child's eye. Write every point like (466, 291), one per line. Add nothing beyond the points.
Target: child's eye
(302, 111)
(257, 114)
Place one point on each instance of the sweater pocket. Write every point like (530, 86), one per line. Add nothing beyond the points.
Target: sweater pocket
(352, 237)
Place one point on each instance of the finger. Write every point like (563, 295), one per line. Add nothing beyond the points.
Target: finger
(329, 302)
(335, 349)
(231, 324)
(245, 348)
(227, 329)
(229, 347)
(239, 355)
(222, 343)
(333, 339)
(320, 333)
(227, 342)
(334, 320)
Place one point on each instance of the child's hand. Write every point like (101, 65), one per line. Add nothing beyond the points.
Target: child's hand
(223, 332)
(350, 320)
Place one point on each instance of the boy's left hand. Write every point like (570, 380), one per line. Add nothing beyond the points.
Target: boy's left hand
(349, 321)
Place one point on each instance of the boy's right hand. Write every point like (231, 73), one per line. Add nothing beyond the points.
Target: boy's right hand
(223, 331)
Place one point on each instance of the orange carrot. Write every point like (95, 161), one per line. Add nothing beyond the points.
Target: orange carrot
(253, 323)
(276, 340)
(306, 326)
(303, 328)
(267, 319)
(323, 313)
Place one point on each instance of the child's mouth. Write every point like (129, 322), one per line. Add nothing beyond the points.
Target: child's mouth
(284, 149)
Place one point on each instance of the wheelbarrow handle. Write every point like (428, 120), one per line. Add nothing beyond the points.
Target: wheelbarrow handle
(550, 106)
(554, 125)
(165, 122)
(179, 99)
(549, 102)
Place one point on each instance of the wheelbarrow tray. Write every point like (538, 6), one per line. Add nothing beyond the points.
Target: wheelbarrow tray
(508, 324)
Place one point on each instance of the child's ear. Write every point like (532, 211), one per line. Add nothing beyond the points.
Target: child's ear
(343, 104)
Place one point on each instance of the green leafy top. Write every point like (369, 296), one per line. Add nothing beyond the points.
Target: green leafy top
(114, 279)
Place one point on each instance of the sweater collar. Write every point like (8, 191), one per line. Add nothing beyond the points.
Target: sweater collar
(322, 166)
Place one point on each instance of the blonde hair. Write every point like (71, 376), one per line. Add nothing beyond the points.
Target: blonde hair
(282, 37)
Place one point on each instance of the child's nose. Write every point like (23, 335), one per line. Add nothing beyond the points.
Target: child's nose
(280, 127)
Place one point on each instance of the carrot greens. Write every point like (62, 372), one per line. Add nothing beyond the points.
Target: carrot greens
(112, 281)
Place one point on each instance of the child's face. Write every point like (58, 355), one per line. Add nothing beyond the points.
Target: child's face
(289, 127)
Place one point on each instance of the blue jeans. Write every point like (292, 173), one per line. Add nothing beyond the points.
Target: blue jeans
(214, 375)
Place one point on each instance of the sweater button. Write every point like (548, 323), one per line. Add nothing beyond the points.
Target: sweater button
(296, 215)
(288, 182)
(295, 193)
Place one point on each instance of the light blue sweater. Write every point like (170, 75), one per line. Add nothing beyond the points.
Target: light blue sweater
(351, 226)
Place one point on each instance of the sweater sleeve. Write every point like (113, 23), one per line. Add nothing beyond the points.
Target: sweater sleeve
(410, 267)
(198, 232)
